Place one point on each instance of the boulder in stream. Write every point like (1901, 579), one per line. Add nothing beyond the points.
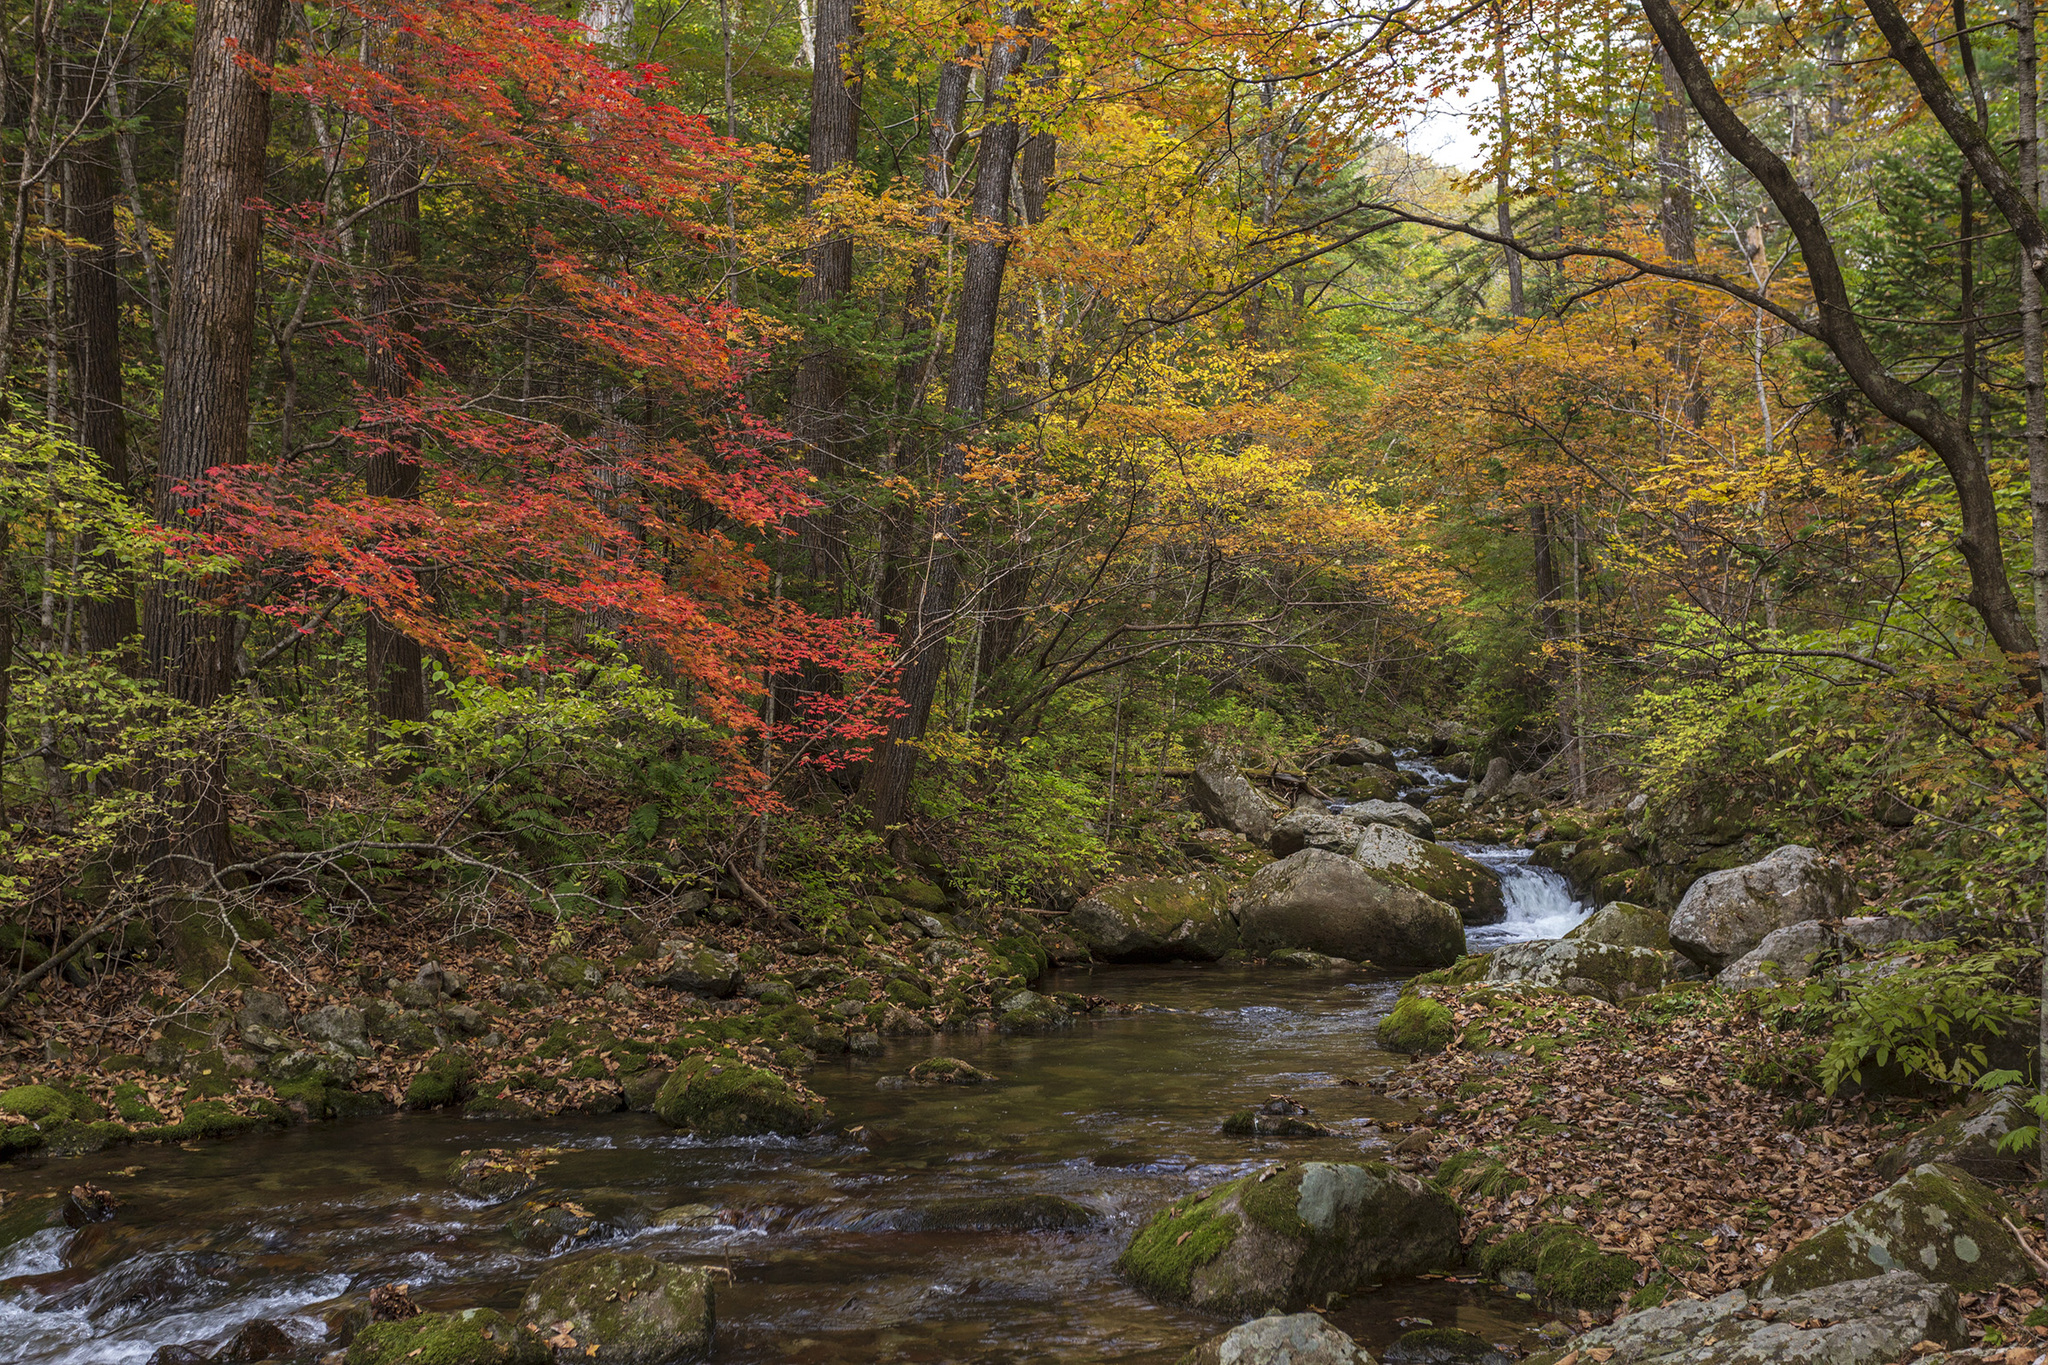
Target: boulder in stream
(1297, 1339)
(1936, 1221)
(1399, 814)
(474, 1336)
(722, 1097)
(1417, 1024)
(616, 1308)
(1626, 924)
(1469, 887)
(1290, 1236)
(999, 1213)
(1030, 1012)
(1222, 794)
(947, 1071)
(1725, 914)
(1161, 920)
(1328, 903)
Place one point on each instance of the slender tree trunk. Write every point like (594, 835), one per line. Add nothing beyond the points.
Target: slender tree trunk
(34, 151)
(2027, 57)
(212, 328)
(1677, 228)
(396, 679)
(886, 786)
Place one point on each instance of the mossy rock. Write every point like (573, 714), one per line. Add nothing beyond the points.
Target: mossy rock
(1442, 1346)
(1938, 1222)
(131, 1103)
(1257, 1123)
(1594, 860)
(917, 893)
(474, 1336)
(1626, 924)
(622, 1309)
(1464, 972)
(1290, 1236)
(1417, 1024)
(1444, 874)
(948, 1071)
(47, 1104)
(722, 1097)
(496, 1174)
(1561, 1265)
(1158, 920)
(206, 1119)
(903, 993)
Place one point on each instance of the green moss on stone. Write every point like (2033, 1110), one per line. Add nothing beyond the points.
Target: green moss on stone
(1164, 1257)
(131, 1102)
(719, 1097)
(36, 1103)
(447, 1078)
(621, 1306)
(1476, 1173)
(1563, 1266)
(204, 1118)
(475, 1336)
(1463, 972)
(1417, 1024)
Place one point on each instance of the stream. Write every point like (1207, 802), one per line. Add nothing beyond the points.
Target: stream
(838, 1246)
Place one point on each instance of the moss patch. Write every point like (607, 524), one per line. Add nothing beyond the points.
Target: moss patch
(1477, 1174)
(1164, 1257)
(719, 1097)
(475, 1336)
(1562, 1265)
(1417, 1024)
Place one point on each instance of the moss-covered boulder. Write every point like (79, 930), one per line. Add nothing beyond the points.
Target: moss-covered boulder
(449, 1077)
(1937, 1222)
(721, 1097)
(1359, 785)
(948, 1071)
(687, 966)
(1561, 1265)
(1328, 903)
(1604, 971)
(1444, 874)
(1290, 1236)
(1296, 1339)
(616, 1308)
(1626, 925)
(474, 1336)
(1267, 1122)
(1309, 827)
(1417, 1024)
(1185, 918)
(1464, 972)
(1971, 1139)
(1030, 1012)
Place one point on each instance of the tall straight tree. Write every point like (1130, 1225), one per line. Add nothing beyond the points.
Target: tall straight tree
(208, 356)
(886, 785)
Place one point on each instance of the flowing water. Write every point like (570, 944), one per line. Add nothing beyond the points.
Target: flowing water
(859, 1245)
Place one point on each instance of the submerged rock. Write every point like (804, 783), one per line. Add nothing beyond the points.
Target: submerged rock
(1471, 888)
(1297, 1339)
(722, 1097)
(1328, 903)
(1277, 1117)
(1864, 1322)
(1301, 960)
(1604, 971)
(474, 1336)
(1937, 1222)
(1223, 795)
(1970, 1139)
(1290, 1236)
(1000, 1213)
(617, 1307)
(1725, 914)
(1185, 918)
(496, 1174)
(1444, 1346)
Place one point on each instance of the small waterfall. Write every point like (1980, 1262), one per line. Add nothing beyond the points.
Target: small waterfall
(1540, 902)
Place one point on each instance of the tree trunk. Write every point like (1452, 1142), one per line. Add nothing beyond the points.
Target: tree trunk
(2027, 58)
(397, 683)
(887, 783)
(1676, 228)
(212, 326)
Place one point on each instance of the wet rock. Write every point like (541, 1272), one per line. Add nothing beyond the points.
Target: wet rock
(722, 1097)
(1313, 827)
(642, 1088)
(496, 1174)
(184, 1353)
(1000, 1213)
(474, 1336)
(687, 1216)
(447, 1078)
(1469, 887)
(1328, 903)
(1290, 1236)
(340, 1025)
(1561, 1265)
(1937, 1222)
(1223, 795)
(1604, 971)
(1626, 925)
(1398, 814)
(1444, 1346)
(1297, 1339)
(948, 1071)
(1301, 960)
(1726, 914)
(1178, 918)
(628, 1309)
(555, 1225)
(686, 966)
(256, 1340)
(1417, 1024)
(1864, 1322)
(1277, 1117)
(1969, 1139)
(1030, 1012)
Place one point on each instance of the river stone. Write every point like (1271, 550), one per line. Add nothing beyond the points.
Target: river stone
(1626, 924)
(1175, 918)
(1417, 1024)
(1328, 903)
(1292, 1235)
(1312, 827)
(495, 1174)
(1444, 1346)
(1873, 1321)
(721, 1097)
(1604, 971)
(1937, 1222)
(1469, 887)
(262, 1009)
(1969, 1139)
(999, 1213)
(474, 1336)
(634, 1310)
(1725, 914)
(1030, 1012)
(1297, 1339)
(1399, 814)
(1301, 960)
(686, 966)
(947, 1071)
(1222, 794)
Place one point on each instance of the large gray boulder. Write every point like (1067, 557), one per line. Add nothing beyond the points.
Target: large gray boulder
(687, 966)
(1499, 773)
(1726, 914)
(1469, 887)
(1626, 924)
(1297, 1339)
(1328, 903)
(1972, 1139)
(1223, 795)
(1936, 1221)
(1289, 1237)
(1872, 1321)
(1397, 813)
(1164, 920)
(619, 1307)
(1799, 950)
(1604, 971)
(1304, 827)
